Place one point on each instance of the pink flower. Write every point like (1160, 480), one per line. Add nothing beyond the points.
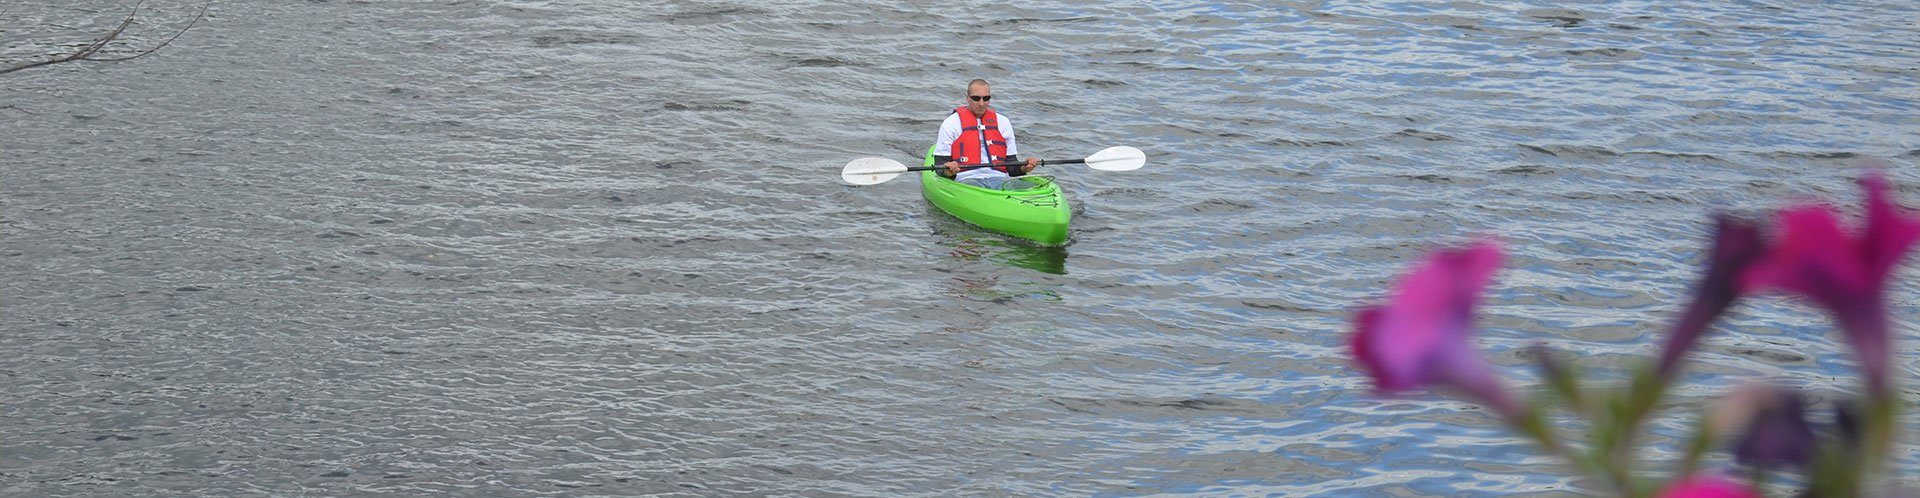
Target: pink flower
(1736, 244)
(1846, 273)
(1420, 337)
(1707, 486)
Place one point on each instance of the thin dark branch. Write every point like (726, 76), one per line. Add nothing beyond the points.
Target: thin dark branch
(156, 48)
(88, 52)
(104, 40)
(33, 65)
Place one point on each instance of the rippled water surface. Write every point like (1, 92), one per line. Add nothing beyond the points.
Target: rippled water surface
(601, 247)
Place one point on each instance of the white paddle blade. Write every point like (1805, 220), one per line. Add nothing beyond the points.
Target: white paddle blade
(871, 170)
(1122, 158)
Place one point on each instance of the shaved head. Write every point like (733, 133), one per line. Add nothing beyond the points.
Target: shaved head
(978, 93)
(977, 82)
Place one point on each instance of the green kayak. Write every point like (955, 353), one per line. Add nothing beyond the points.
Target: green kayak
(1039, 214)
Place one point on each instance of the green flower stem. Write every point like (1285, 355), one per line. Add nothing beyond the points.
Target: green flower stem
(1698, 446)
(1562, 377)
(1626, 415)
(1835, 470)
(1758, 480)
(1534, 424)
(1878, 433)
(1615, 421)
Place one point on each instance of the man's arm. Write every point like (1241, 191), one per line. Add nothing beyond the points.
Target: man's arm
(1012, 170)
(1006, 131)
(943, 143)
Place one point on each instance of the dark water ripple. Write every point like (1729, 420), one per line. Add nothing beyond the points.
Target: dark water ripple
(519, 247)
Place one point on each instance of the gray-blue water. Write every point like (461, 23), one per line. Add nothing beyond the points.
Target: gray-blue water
(601, 247)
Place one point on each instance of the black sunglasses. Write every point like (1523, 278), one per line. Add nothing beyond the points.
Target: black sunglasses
(980, 98)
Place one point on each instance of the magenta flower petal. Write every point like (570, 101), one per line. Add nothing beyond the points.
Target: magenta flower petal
(1842, 272)
(1889, 232)
(1812, 256)
(1420, 337)
(1707, 486)
(1736, 244)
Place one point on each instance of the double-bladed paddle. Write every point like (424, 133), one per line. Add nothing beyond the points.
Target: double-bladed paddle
(877, 170)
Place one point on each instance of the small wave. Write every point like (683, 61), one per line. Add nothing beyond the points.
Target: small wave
(1287, 142)
(1126, 191)
(1151, 404)
(822, 62)
(1422, 135)
(724, 105)
(1278, 306)
(1777, 357)
(712, 15)
(1218, 205)
(551, 41)
(1428, 178)
(1526, 170)
(1677, 155)
(1796, 155)
(1571, 151)
(1033, 20)
(1605, 53)
(1560, 18)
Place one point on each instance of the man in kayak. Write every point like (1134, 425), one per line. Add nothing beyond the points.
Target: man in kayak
(974, 134)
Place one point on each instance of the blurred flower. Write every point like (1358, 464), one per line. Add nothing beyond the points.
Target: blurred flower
(1707, 486)
(1736, 244)
(1420, 337)
(1776, 434)
(1733, 411)
(1844, 273)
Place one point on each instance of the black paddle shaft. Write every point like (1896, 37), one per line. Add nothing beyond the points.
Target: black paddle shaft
(1043, 162)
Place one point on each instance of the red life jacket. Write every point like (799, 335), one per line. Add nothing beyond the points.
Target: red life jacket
(975, 131)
